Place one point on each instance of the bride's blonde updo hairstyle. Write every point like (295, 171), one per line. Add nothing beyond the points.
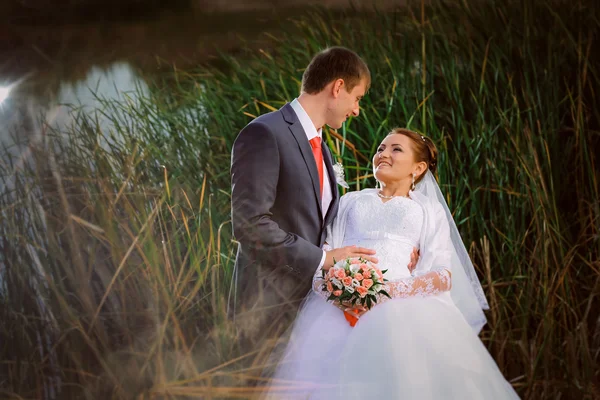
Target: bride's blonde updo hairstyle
(424, 149)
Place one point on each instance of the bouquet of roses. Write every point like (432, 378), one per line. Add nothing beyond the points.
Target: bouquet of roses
(354, 283)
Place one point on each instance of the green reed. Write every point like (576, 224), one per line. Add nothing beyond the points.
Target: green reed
(119, 248)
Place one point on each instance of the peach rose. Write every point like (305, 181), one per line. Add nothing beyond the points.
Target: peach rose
(367, 283)
(347, 281)
(329, 287)
(362, 291)
(358, 276)
(340, 273)
(337, 293)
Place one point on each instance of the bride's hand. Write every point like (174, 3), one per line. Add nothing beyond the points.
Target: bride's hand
(349, 251)
(414, 259)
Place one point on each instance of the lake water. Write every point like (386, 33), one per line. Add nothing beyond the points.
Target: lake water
(44, 65)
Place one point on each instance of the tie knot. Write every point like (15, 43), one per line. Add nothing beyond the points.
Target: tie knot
(315, 142)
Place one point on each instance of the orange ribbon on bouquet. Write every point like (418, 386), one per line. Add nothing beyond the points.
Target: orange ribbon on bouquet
(351, 318)
(351, 315)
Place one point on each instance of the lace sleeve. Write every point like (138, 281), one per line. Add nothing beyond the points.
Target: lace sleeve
(318, 281)
(429, 284)
(317, 285)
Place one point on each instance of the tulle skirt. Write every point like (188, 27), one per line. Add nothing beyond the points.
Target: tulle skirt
(417, 348)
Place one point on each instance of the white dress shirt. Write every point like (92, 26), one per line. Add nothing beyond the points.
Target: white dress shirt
(311, 132)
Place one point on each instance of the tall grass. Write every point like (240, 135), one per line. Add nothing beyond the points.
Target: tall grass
(117, 251)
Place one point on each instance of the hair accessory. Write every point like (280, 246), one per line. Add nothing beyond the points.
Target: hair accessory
(423, 137)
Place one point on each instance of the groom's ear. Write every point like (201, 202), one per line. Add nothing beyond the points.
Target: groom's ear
(337, 87)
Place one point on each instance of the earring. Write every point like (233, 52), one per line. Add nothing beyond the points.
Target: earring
(413, 182)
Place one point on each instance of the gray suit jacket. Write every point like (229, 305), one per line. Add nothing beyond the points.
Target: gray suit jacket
(276, 209)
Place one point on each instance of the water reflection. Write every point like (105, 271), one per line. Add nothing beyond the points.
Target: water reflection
(4, 92)
(82, 64)
(118, 83)
(22, 115)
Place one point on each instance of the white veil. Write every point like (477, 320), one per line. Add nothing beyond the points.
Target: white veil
(466, 291)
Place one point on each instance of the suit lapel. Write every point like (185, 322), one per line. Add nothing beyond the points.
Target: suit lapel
(332, 181)
(305, 150)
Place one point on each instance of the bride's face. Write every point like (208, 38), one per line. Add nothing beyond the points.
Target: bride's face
(394, 160)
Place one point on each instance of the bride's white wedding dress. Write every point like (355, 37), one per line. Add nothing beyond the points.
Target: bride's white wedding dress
(415, 346)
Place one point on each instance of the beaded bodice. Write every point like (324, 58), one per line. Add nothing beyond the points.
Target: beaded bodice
(391, 228)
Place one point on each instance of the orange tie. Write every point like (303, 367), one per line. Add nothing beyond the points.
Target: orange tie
(315, 143)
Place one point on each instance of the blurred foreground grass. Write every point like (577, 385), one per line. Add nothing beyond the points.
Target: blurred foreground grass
(116, 247)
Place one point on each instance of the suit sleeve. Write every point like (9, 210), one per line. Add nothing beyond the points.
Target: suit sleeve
(255, 166)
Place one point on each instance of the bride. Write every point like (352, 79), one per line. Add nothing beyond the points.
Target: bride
(422, 344)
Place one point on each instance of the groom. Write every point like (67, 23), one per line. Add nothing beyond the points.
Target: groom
(284, 195)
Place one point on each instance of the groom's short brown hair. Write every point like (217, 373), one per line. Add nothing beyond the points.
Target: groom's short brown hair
(335, 63)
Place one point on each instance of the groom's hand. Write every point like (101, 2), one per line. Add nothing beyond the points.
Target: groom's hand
(349, 251)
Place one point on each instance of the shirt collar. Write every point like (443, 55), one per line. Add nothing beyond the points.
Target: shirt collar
(305, 121)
